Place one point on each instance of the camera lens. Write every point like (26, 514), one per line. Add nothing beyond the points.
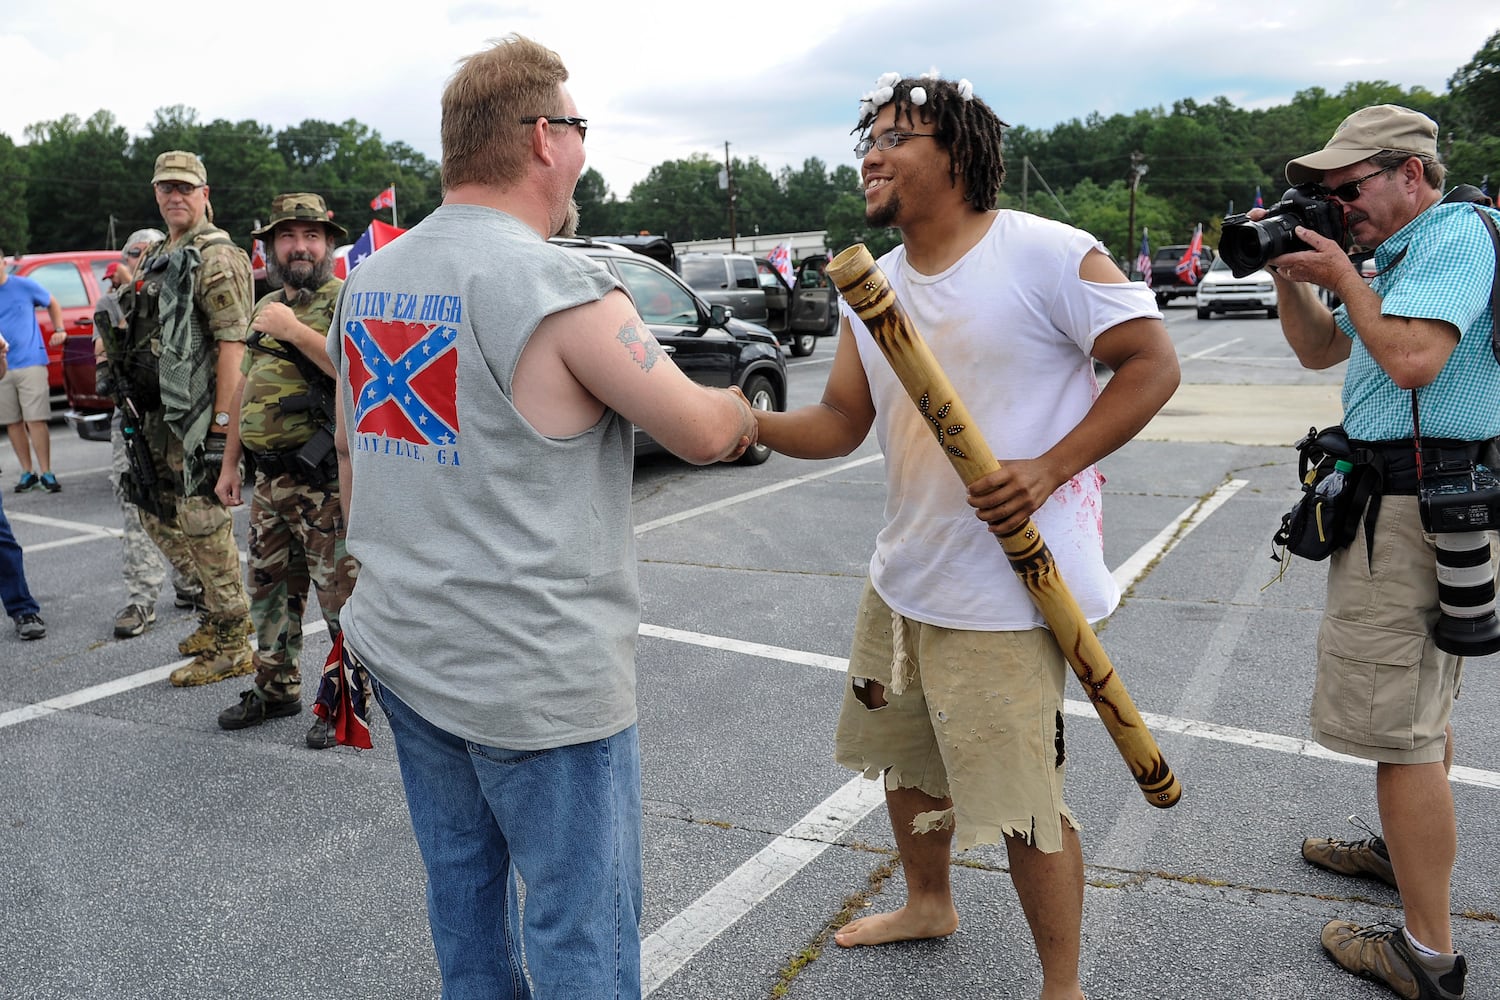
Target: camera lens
(1468, 625)
(1245, 248)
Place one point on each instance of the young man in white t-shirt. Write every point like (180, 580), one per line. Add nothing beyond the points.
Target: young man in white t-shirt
(948, 645)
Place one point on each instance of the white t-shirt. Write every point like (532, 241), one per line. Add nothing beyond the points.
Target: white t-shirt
(1012, 325)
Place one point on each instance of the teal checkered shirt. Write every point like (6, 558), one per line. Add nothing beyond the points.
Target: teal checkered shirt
(1445, 275)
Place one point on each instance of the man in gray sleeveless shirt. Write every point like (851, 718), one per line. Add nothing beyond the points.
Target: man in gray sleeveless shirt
(488, 382)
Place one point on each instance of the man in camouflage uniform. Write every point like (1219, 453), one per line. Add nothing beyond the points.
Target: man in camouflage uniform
(181, 356)
(282, 421)
(143, 564)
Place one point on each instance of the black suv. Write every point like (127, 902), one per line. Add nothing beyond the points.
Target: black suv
(706, 342)
(757, 292)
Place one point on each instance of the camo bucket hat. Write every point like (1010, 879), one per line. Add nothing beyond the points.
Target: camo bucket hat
(301, 206)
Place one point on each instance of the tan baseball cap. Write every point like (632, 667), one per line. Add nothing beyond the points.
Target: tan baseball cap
(300, 206)
(1364, 134)
(179, 165)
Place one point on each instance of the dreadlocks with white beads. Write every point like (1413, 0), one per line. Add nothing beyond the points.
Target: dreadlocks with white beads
(962, 124)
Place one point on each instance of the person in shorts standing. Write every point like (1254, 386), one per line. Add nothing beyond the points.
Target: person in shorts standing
(25, 398)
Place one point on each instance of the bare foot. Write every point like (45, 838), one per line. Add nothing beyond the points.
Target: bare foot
(904, 924)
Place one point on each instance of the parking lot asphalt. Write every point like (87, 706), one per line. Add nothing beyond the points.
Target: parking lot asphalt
(144, 853)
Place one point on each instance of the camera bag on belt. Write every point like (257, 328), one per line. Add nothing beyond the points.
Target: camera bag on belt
(1337, 481)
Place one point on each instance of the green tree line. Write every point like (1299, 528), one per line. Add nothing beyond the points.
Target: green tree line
(72, 184)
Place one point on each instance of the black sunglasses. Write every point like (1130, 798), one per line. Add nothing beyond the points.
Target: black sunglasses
(1349, 190)
(582, 123)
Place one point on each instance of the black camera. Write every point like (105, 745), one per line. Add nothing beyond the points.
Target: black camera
(1246, 246)
(1464, 499)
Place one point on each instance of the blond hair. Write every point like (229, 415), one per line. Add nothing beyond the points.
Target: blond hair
(483, 139)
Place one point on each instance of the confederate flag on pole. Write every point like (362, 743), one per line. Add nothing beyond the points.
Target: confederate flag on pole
(1190, 268)
(385, 199)
(375, 236)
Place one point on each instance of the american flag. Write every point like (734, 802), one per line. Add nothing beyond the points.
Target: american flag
(1143, 259)
(1191, 267)
(404, 379)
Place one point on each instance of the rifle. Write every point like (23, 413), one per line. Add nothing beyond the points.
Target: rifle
(116, 383)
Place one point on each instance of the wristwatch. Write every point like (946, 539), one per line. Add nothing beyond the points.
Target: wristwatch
(221, 419)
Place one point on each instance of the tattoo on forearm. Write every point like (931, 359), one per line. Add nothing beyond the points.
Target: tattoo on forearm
(643, 348)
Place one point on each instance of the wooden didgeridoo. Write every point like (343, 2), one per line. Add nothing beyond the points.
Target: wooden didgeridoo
(864, 286)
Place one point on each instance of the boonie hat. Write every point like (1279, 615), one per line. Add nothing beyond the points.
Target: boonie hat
(1364, 134)
(301, 206)
(179, 165)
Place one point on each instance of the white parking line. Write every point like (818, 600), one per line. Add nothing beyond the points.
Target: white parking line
(676, 942)
(785, 484)
(110, 688)
(1082, 709)
(1210, 350)
(1167, 538)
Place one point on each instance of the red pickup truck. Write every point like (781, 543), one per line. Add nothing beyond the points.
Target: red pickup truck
(76, 279)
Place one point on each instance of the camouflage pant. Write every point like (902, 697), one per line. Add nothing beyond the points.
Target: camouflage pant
(202, 545)
(145, 565)
(296, 538)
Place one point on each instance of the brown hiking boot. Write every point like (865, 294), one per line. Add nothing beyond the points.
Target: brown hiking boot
(230, 655)
(1366, 858)
(202, 639)
(1381, 953)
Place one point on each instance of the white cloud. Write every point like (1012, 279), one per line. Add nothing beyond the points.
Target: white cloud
(667, 79)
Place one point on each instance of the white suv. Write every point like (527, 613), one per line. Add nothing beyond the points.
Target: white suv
(1221, 292)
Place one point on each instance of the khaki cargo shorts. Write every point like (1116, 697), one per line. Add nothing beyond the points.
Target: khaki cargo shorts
(1384, 690)
(24, 395)
(976, 717)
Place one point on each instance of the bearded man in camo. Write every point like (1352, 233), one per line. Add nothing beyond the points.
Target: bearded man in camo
(282, 427)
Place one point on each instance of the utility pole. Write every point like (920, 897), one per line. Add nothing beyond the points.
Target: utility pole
(1138, 170)
(1025, 176)
(726, 181)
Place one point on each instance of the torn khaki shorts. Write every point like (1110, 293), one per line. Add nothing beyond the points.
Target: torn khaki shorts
(972, 716)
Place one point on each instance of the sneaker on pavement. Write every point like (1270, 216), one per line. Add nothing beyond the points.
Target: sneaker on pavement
(1366, 858)
(321, 736)
(189, 601)
(50, 483)
(29, 481)
(133, 619)
(1381, 952)
(30, 626)
(254, 708)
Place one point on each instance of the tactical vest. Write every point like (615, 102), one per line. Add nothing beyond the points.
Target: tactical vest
(140, 347)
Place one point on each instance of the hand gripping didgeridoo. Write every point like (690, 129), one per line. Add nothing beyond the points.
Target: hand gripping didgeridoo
(863, 285)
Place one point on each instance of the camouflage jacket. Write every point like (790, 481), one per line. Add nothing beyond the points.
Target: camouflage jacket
(271, 380)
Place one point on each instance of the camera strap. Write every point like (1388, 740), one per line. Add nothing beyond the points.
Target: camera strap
(1459, 194)
(1489, 224)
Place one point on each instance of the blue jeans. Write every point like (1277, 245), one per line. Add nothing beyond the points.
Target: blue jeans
(567, 820)
(13, 590)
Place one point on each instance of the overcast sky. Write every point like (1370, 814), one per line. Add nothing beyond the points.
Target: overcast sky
(664, 79)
